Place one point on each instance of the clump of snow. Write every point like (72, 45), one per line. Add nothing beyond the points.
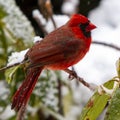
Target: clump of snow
(37, 39)
(69, 6)
(16, 57)
(51, 91)
(48, 90)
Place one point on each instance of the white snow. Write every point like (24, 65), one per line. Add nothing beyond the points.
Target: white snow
(37, 39)
(16, 57)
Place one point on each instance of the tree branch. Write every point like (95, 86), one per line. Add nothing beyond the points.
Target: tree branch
(73, 74)
(13, 65)
(107, 45)
(7, 67)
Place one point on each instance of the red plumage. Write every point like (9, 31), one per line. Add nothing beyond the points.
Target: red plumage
(59, 50)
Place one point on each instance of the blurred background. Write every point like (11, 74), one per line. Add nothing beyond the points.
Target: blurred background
(55, 96)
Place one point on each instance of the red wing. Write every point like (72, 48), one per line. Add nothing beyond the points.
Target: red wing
(57, 46)
(42, 51)
(45, 55)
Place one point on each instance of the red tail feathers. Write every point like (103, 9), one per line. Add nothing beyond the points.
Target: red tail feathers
(23, 93)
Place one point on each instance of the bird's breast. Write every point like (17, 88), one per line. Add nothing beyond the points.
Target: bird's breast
(67, 61)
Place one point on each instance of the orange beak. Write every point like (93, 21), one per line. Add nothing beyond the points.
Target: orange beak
(90, 27)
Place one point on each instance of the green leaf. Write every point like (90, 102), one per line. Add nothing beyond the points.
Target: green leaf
(9, 73)
(113, 112)
(118, 67)
(96, 104)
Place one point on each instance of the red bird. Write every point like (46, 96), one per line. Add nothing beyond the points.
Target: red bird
(59, 50)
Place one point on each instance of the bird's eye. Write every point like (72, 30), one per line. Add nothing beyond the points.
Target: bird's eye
(83, 25)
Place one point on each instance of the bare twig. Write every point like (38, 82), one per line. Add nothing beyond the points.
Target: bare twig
(42, 8)
(74, 75)
(13, 65)
(46, 10)
(48, 6)
(107, 45)
(77, 82)
(7, 67)
(53, 21)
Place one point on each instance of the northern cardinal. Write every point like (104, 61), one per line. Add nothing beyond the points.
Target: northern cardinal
(59, 50)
